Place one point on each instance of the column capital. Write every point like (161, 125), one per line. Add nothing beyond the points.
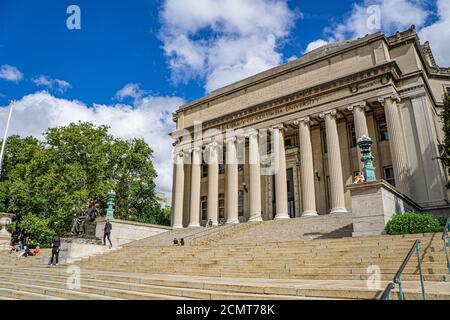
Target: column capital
(252, 133)
(230, 139)
(354, 106)
(196, 149)
(332, 113)
(280, 127)
(306, 120)
(393, 96)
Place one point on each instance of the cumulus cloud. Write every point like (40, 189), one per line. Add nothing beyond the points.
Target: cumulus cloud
(10, 73)
(131, 90)
(223, 41)
(315, 45)
(438, 34)
(150, 120)
(60, 86)
(389, 16)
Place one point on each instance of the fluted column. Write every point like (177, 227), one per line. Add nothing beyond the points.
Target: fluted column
(213, 183)
(396, 141)
(195, 187)
(255, 176)
(178, 190)
(334, 163)
(280, 173)
(359, 117)
(232, 181)
(306, 168)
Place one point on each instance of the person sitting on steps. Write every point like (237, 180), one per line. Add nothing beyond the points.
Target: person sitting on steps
(175, 242)
(181, 242)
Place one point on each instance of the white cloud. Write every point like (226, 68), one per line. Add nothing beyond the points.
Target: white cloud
(150, 120)
(56, 84)
(315, 44)
(10, 73)
(223, 41)
(376, 15)
(130, 90)
(438, 34)
(397, 15)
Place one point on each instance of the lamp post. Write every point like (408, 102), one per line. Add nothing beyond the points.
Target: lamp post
(6, 135)
(365, 144)
(111, 200)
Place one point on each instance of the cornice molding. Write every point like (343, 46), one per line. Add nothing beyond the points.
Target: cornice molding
(308, 96)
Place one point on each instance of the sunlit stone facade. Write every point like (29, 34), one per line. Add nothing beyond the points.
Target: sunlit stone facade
(282, 144)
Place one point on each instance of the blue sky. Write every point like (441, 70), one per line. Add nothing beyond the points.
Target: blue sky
(133, 62)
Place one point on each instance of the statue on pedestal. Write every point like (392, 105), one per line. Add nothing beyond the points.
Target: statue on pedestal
(79, 222)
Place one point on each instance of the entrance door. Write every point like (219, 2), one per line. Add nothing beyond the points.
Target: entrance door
(290, 193)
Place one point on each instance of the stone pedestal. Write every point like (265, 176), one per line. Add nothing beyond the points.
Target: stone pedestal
(5, 236)
(73, 249)
(374, 204)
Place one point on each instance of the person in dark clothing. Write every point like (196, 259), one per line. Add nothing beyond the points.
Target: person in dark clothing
(181, 242)
(175, 242)
(107, 233)
(56, 243)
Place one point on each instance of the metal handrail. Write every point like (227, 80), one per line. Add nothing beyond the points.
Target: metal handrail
(398, 276)
(445, 240)
(387, 292)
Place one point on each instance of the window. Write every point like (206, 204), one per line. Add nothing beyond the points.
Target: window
(204, 207)
(240, 167)
(389, 175)
(221, 168)
(241, 203)
(221, 206)
(204, 170)
(382, 128)
(353, 140)
(324, 141)
(289, 142)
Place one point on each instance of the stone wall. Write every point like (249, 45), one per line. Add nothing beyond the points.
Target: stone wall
(127, 231)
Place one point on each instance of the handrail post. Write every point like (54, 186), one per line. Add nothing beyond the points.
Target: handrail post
(420, 270)
(446, 253)
(400, 288)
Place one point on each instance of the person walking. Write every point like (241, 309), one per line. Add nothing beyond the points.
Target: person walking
(56, 243)
(107, 233)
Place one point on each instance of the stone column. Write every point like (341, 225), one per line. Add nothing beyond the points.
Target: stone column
(334, 163)
(396, 141)
(280, 173)
(232, 181)
(178, 190)
(213, 183)
(359, 117)
(255, 176)
(195, 187)
(306, 168)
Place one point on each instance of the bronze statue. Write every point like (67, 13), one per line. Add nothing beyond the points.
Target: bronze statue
(87, 215)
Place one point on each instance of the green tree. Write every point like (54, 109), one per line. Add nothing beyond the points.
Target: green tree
(55, 178)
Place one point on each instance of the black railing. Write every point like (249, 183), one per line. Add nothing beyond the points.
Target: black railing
(398, 276)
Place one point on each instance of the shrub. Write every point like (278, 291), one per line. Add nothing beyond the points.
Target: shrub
(411, 222)
(37, 230)
(442, 220)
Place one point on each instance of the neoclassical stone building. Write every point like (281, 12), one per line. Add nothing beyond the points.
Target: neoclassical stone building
(313, 109)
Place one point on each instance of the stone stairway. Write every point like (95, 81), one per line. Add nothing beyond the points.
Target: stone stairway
(304, 258)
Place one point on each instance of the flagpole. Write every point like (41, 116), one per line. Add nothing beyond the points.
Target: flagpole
(6, 135)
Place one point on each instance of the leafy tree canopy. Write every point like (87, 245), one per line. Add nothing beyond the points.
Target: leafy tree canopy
(54, 178)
